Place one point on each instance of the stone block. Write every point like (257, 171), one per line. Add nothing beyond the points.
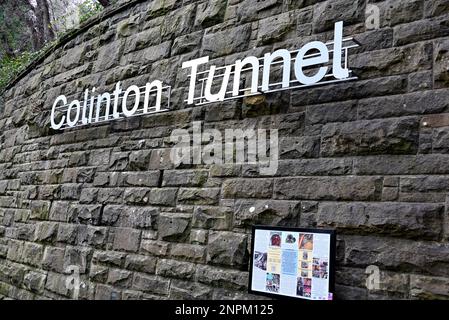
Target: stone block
(151, 284)
(185, 178)
(128, 217)
(268, 212)
(435, 8)
(46, 231)
(96, 236)
(119, 278)
(210, 13)
(60, 211)
(126, 239)
(326, 13)
(67, 233)
(175, 269)
(53, 259)
(406, 220)
(33, 253)
(104, 292)
(35, 281)
(40, 209)
(420, 30)
(183, 290)
(56, 283)
(186, 43)
(227, 41)
(207, 196)
(208, 217)
(275, 28)
(392, 136)
(77, 256)
(139, 179)
(397, 254)
(328, 188)
(188, 252)
(198, 236)
(247, 188)
(178, 22)
(140, 263)
(227, 248)
(400, 12)
(15, 250)
(109, 56)
(86, 214)
(157, 248)
(163, 196)
(311, 167)
(398, 60)
(429, 288)
(222, 278)
(149, 54)
(109, 258)
(98, 273)
(441, 64)
(173, 226)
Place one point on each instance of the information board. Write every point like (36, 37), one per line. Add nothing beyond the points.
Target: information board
(292, 262)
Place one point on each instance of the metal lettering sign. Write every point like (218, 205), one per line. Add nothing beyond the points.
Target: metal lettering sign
(316, 63)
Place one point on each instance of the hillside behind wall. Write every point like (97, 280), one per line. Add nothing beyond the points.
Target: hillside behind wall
(355, 156)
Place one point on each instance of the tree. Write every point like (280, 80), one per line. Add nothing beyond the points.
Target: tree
(42, 22)
(11, 27)
(27, 25)
(24, 25)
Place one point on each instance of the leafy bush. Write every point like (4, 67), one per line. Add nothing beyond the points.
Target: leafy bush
(88, 8)
(10, 67)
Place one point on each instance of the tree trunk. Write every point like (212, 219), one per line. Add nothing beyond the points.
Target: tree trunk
(43, 21)
(25, 25)
(27, 14)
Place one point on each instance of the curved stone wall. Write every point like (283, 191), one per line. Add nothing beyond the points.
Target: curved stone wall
(367, 157)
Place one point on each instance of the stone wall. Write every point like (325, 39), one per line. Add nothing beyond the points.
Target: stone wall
(369, 157)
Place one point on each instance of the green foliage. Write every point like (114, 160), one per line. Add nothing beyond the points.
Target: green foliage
(12, 26)
(10, 67)
(88, 8)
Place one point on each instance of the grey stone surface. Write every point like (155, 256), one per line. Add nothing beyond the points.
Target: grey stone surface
(175, 269)
(173, 226)
(218, 218)
(367, 157)
(227, 41)
(227, 248)
(328, 188)
(420, 221)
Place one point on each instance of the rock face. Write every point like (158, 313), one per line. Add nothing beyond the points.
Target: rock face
(368, 157)
(64, 14)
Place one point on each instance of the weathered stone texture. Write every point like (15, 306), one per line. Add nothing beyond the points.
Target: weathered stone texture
(367, 157)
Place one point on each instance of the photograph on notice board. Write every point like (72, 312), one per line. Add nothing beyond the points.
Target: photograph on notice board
(306, 241)
(304, 287)
(273, 282)
(290, 238)
(275, 239)
(320, 268)
(260, 260)
(305, 256)
(305, 273)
